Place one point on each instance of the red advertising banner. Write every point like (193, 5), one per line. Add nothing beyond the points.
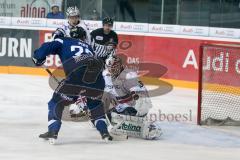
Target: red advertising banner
(221, 65)
(179, 55)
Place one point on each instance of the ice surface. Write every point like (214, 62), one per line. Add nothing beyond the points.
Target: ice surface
(23, 115)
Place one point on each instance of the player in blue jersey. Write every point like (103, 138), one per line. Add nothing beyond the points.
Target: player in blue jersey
(83, 73)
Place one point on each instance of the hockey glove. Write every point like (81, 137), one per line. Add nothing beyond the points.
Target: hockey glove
(59, 33)
(38, 62)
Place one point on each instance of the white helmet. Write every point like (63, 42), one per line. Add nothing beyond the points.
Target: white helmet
(72, 11)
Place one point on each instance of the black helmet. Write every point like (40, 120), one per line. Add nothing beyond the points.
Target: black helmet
(108, 20)
(78, 33)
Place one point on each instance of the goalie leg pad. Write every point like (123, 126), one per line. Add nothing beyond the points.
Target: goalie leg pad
(135, 126)
(125, 124)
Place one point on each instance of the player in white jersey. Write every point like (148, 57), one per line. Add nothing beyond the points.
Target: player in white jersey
(73, 16)
(130, 101)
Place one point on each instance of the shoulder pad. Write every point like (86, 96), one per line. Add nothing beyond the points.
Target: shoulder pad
(130, 74)
(58, 40)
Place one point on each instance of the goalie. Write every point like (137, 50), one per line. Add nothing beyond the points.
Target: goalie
(127, 102)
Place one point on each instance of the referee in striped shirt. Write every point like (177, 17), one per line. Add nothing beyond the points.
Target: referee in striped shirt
(104, 40)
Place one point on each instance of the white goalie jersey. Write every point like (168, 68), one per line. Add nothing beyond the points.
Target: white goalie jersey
(127, 90)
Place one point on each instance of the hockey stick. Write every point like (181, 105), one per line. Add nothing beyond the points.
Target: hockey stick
(53, 76)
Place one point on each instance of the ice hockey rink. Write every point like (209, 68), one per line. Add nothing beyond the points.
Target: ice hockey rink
(23, 116)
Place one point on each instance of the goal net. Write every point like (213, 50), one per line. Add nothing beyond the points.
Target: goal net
(219, 85)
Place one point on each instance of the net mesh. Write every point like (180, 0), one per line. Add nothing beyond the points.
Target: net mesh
(220, 80)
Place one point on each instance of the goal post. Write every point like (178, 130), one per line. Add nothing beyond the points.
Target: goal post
(219, 85)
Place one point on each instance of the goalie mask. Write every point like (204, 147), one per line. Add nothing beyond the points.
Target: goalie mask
(114, 65)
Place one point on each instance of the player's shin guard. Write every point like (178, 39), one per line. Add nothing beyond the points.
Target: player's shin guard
(99, 119)
(54, 116)
(101, 125)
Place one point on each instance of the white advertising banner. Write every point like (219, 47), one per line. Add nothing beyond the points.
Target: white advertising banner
(32, 22)
(194, 30)
(224, 32)
(141, 28)
(55, 23)
(163, 29)
(27, 8)
(132, 27)
(5, 21)
(92, 25)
